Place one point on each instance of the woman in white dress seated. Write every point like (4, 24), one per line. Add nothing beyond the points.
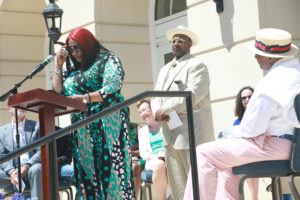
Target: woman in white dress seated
(152, 150)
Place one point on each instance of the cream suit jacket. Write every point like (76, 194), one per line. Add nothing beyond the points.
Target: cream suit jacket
(188, 75)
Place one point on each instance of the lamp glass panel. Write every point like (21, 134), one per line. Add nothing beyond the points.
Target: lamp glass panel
(49, 22)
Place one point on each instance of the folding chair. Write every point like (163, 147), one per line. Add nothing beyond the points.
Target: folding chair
(68, 190)
(146, 178)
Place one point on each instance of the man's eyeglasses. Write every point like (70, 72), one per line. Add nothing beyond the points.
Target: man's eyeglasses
(75, 48)
(246, 97)
(179, 41)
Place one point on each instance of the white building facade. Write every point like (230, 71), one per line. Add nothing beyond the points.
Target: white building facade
(135, 30)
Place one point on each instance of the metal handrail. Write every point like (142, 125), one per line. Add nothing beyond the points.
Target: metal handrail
(64, 131)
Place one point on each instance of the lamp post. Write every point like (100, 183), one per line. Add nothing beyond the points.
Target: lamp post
(53, 15)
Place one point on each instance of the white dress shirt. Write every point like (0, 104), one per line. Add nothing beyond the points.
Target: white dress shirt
(271, 107)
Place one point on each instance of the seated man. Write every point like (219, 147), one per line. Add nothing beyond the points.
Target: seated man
(31, 172)
(266, 130)
(152, 149)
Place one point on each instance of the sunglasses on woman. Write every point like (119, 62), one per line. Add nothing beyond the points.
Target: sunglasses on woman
(75, 48)
(246, 97)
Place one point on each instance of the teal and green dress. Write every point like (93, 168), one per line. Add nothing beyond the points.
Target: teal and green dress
(102, 160)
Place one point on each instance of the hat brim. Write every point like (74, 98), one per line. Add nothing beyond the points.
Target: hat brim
(170, 34)
(292, 52)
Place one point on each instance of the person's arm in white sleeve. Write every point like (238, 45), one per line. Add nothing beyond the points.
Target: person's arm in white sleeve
(144, 142)
(256, 118)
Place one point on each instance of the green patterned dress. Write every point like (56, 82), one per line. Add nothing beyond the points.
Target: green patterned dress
(102, 159)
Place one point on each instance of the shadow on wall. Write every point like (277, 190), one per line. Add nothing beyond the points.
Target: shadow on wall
(226, 23)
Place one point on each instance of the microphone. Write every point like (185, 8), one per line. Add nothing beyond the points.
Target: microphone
(41, 66)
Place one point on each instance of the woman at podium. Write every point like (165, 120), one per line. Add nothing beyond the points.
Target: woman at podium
(101, 150)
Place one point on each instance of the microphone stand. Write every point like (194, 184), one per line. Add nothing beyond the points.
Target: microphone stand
(14, 91)
(18, 146)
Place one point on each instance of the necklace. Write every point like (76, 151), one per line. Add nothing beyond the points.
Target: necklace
(155, 129)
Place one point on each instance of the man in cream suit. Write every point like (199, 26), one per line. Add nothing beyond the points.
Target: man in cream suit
(30, 162)
(184, 73)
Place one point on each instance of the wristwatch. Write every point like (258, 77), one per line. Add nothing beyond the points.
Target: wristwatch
(85, 98)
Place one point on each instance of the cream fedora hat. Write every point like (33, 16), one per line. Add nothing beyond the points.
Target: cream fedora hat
(275, 43)
(184, 31)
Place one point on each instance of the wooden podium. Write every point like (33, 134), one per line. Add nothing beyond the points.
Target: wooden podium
(48, 104)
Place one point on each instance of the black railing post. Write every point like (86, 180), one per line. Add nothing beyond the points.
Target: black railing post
(194, 171)
(53, 171)
(50, 139)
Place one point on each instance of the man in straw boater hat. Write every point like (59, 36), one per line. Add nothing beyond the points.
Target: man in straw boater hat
(266, 130)
(184, 73)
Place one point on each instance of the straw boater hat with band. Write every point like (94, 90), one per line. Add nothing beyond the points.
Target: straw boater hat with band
(275, 43)
(182, 30)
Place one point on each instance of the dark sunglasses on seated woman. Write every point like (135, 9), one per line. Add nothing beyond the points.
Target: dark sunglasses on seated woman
(246, 97)
(75, 48)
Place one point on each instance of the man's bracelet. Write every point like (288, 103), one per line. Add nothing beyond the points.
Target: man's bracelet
(58, 72)
(90, 100)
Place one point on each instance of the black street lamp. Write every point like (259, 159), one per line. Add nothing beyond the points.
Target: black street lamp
(53, 16)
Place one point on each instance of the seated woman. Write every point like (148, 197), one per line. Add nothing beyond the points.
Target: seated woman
(241, 102)
(151, 148)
